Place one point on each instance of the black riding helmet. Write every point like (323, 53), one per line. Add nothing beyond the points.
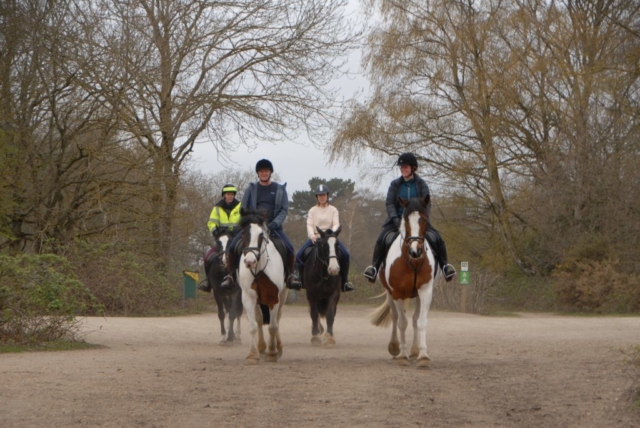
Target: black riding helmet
(321, 190)
(264, 164)
(408, 159)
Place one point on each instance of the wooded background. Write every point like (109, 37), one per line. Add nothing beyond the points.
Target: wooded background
(523, 114)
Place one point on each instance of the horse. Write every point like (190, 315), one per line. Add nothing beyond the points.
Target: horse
(321, 278)
(228, 300)
(408, 272)
(261, 275)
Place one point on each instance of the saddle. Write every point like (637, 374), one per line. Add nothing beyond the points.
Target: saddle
(210, 257)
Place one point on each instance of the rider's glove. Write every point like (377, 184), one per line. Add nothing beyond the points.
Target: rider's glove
(396, 221)
(273, 226)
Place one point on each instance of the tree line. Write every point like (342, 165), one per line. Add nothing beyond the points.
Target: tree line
(523, 114)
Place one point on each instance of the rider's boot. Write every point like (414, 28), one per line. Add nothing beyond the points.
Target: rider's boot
(205, 286)
(232, 260)
(441, 249)
(293, 283)
(372, 271)
(344, 276)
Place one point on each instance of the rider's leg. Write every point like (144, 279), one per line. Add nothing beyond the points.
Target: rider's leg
(300, 259)
(232, 262)
(378, 254)
(344, 269)
(437, 243)
(292, 279)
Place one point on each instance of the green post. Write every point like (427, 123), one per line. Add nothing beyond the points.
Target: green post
(189, 287)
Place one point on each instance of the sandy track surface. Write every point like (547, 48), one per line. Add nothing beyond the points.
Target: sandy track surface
(527, 371)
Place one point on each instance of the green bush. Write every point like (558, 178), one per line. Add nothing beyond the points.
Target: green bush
(40, 298)
(596, 286)
(124, 282)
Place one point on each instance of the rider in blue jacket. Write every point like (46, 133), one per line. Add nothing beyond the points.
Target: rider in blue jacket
(408, 185)
(270, 197)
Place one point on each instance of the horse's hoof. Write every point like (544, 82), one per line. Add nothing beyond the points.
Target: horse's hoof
(271, 358)
(329, 341)
(394, 348)
(237, 341)
(250, 361)
(402, 361)
(424, 363)
(316, 341)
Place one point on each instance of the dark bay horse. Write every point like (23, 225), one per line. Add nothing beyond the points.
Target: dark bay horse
(261, 275)
(228, 300)
(322, 280)
(408, 273)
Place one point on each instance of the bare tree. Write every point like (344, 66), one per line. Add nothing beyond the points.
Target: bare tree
(178, 71)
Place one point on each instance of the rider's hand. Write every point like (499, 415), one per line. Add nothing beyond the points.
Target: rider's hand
(396, 221)
(314, 238)
(272, 226)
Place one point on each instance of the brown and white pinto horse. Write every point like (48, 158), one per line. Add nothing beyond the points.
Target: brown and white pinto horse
(408, 272)
(261, 275)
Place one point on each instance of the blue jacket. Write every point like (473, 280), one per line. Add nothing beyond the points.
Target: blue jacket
(392, 196)
(250, 202)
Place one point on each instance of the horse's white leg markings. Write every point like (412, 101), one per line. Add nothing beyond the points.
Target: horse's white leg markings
(426, 295)
(402, 327)
(334, 266)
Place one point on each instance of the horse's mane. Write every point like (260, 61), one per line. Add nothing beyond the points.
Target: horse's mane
(251, 216)
(415, 204)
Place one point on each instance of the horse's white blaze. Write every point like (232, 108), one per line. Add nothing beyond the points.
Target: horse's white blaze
(414, 227)
(334, 266)
(224, 241)
(251, 257)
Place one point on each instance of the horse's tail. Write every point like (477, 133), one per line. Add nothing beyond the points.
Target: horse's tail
(382, 316)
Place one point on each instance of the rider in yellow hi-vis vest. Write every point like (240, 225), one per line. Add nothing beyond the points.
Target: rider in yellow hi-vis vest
(225, 214)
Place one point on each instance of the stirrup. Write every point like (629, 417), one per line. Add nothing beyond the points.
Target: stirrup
(204, 286)
(228, 282)
(449, 272)
(370, 273)
(293, 283)
(347, 286)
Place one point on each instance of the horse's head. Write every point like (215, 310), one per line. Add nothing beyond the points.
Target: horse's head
(327, 247)
(254, 234)
(414, 224)
(223, 236)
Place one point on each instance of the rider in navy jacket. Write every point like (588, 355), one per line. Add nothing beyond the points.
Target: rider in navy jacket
(408, 185)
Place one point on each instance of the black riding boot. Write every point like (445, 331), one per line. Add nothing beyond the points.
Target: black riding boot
(293, 283)
(232, 260)
(437, 243)
(372, 271)
(346, 286)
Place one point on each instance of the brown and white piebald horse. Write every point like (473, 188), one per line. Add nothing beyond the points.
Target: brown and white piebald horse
(408, 272)
(261, 275)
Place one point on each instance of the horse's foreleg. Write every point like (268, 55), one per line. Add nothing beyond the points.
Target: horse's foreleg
(416, 336)
(424, 301)
(249, 302)
(403, 356)
(394, 344)
(315, 330)
(332, 308)
(272, 351)
(221, 316)
(262, 345)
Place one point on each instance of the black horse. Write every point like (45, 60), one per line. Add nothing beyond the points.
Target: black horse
(229, 300)
(322, 280)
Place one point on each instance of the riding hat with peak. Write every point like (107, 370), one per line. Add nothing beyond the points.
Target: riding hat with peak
(229, 188)
(264, 164)
(322, 189)
(408, 159)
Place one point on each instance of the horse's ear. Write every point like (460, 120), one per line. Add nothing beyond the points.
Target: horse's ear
(426, 200)
(403, 202)
(320, 232)
(242, 212)
(337, 231)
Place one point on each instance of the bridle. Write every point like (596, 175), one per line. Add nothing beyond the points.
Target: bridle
(323, 261)
(407, 241)
(258, 252)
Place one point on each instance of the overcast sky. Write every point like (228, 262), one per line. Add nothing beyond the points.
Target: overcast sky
(297, 163)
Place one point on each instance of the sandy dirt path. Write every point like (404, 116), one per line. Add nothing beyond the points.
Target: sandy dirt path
(528, 371)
